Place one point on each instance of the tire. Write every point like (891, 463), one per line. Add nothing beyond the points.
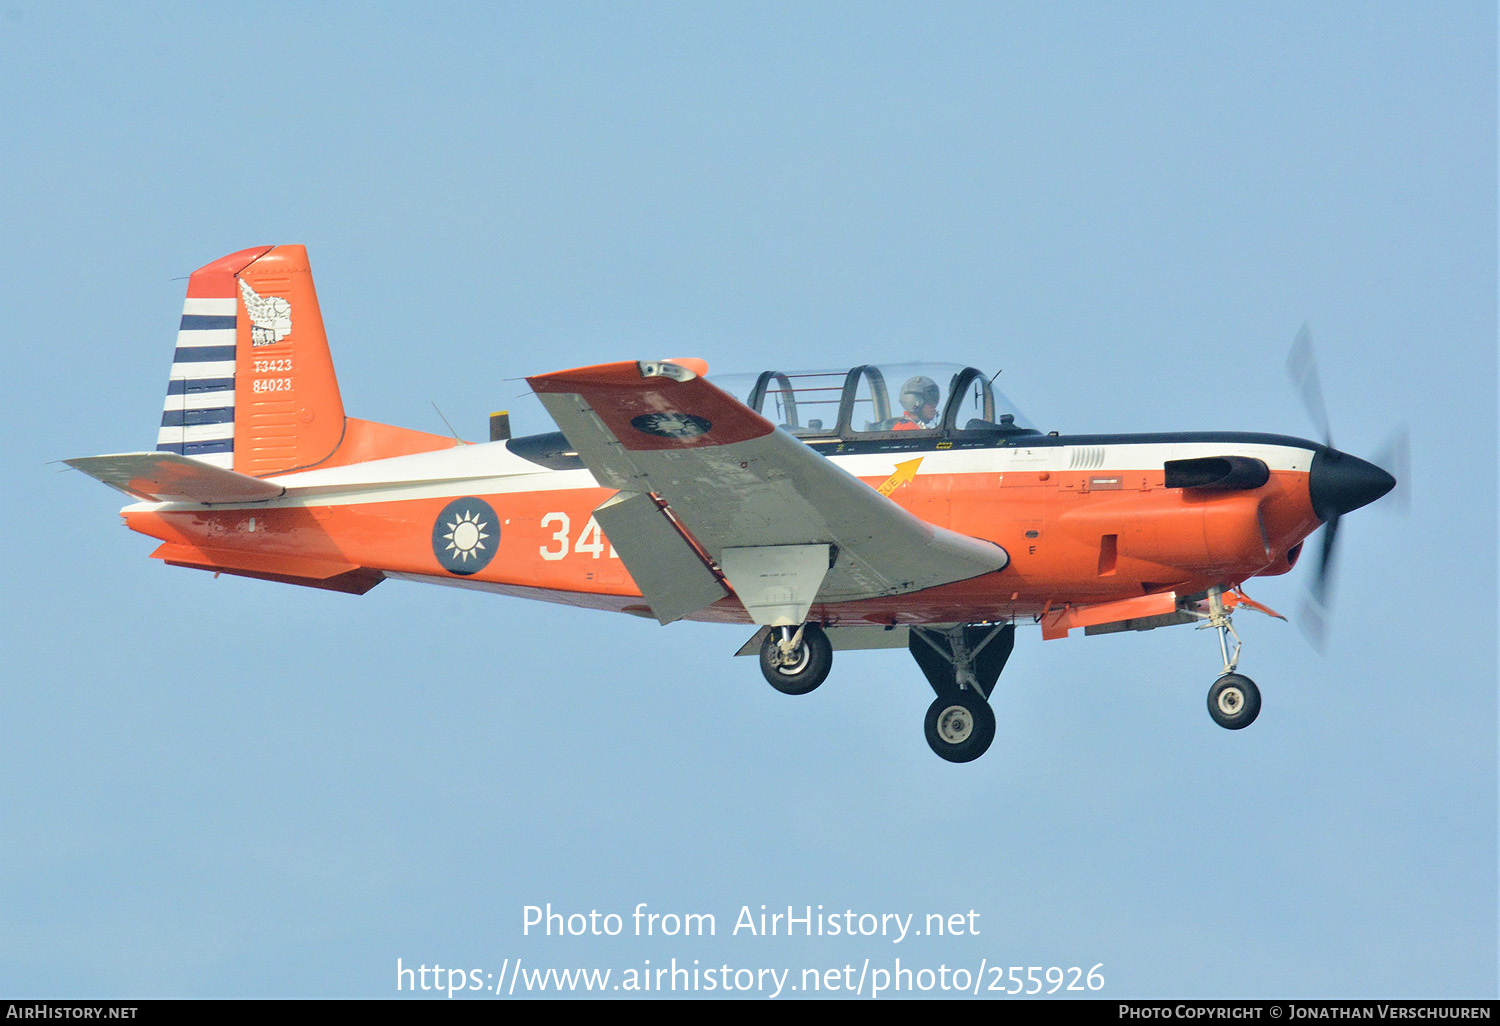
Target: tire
(1234, 701)
(960, 726)
(809, 665)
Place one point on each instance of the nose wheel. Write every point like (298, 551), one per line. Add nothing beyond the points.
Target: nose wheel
(1234, 701)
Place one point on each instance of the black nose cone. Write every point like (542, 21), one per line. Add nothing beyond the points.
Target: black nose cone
(1340, 483)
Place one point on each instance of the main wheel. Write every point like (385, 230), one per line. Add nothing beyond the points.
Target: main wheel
(960, 726)
(804, 669)
(1234, 701)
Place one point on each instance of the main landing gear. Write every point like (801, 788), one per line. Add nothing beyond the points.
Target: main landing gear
(796, 660)
(962, 663)
(1234, 700)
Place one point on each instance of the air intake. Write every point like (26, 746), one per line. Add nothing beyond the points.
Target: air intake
(1219, 473)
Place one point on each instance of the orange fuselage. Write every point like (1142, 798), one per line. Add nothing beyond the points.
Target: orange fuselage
(1084, 520)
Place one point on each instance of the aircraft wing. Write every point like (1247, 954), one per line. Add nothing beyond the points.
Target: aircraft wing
(787, 526)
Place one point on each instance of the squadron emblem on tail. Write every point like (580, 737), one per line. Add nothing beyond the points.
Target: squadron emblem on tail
(270, 316)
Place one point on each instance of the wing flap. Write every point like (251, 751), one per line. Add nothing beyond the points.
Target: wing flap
(672, 577)
(169, 477)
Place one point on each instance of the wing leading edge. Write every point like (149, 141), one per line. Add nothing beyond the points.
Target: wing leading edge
(787, 525)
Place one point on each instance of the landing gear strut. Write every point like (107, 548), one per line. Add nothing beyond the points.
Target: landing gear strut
(962, 663)
(1234, 700)
(795, 660)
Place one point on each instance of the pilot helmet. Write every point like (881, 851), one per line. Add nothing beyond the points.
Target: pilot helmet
(918, 392)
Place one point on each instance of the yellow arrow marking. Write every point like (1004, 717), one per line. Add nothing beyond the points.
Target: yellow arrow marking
(904, 472)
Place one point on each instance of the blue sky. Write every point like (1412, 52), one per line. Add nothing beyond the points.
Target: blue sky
(232, 788)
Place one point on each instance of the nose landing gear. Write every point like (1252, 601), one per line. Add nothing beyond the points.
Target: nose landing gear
(1233, 700)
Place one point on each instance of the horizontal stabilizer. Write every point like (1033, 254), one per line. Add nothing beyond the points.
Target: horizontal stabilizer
(168, 477)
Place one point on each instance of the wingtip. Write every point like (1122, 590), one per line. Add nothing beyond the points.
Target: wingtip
(626, 374)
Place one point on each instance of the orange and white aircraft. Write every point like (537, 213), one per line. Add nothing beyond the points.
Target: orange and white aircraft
(866, 508)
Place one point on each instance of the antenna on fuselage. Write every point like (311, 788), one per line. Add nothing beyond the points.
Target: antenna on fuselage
(445, 421)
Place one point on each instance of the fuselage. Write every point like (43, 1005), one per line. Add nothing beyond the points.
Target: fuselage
(1085, 519)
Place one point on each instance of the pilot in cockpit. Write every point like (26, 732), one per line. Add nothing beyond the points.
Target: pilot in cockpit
(919, 404)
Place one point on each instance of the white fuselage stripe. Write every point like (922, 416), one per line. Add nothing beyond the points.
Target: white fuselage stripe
(490, 469)
(1124, 456)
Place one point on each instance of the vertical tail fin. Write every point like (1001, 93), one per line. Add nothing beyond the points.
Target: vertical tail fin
(252, 387)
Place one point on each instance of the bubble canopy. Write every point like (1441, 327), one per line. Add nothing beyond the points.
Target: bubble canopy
(878, 400)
